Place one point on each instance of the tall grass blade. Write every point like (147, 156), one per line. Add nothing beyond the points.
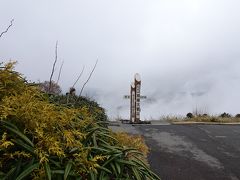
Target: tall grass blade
(47, 170)
(27, 171)
(136, 173)
(67, 169)
(9, 173)
(17, 132)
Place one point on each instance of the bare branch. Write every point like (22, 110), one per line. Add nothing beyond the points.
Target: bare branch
(53, 68)
(79, 76)
(90, 75)
(7, 28)
(60, 71)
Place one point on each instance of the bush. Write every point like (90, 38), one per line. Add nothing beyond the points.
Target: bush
(73, 101)
(225, 115)
(190, 115)
(237, 116)
(11, 82)
(43, 138)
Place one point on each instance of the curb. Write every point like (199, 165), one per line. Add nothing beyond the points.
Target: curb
(205, 123)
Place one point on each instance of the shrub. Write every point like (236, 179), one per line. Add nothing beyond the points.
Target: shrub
(40, 138)
(190, 115)
(237, 116)
(11, 82)
(225, 115)
(97, 112)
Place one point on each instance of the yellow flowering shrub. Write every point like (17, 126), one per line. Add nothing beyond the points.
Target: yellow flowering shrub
(11, 81)
(132, 141)
(54, 130)
(44, 139)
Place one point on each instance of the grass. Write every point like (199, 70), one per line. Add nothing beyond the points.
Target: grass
(205, 119)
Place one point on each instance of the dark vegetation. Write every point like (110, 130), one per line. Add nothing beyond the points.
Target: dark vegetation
(237, 116)
(222, 118)
(71, 100)
(225, 115)
(190, 115)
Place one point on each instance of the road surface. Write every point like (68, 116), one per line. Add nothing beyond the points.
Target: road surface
(191, 152)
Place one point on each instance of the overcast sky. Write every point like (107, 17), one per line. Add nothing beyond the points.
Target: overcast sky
(186, 51)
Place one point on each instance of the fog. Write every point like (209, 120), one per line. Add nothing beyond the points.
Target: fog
(186, 51)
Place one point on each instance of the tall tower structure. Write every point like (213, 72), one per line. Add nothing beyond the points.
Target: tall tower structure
(137, 83)
(132, 102)
(135, 97)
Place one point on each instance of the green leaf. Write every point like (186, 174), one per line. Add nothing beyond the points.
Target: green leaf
(104, 142)
(100, 149)
(125, 162)
(113, 168)
(9, 173)
(111, 149)
(102, 173)
(145, 168)
(73, 150)
(31, 162)
(55, 163)
(101, 129)
(133, 151)
(140, 162)
(67, 169)
(103, 176)
(118, 167)
(109, 160)
(136, 173)
(92, 176)
(10, 124)
(27, 171)
(18, 167)
(62, 172)
(58, 172)
(105, 169)
(108, 136)
(24, 145)
(47, 170)
(17, 132)
(94, 140)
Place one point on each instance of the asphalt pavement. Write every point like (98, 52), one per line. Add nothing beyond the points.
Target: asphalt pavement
(192, 152)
